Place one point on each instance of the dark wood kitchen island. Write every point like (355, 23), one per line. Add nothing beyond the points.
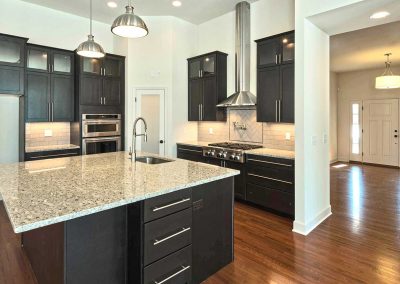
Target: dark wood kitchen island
(103, 219)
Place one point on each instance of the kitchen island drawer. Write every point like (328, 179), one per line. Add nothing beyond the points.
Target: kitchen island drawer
(175, 268)
(270, 198)
(167, 235)
(166, 204)
(265, 161)
(53, 154)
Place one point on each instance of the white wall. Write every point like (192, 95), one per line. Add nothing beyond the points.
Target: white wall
(159, 61)
(333, 117)
(219, 34)
(357, 85)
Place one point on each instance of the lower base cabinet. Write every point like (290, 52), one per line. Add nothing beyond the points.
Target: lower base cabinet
(180, 237)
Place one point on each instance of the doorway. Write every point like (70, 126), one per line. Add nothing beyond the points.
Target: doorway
(150, 104)
(380, 132)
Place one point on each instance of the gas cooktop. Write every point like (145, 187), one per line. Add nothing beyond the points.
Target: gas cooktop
(235, 146)
(228, 151)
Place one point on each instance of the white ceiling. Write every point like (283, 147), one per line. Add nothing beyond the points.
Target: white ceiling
(194, 11)
(364, 49)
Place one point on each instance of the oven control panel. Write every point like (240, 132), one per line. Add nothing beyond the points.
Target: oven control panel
(224, 154)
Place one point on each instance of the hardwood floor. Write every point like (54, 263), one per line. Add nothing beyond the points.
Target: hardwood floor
(359, 243)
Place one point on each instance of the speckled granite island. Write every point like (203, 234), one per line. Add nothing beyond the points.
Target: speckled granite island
(103, 219)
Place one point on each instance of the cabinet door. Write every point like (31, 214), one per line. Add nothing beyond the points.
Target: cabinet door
(240, 180)
(12, 51)
(268, 52)
(195, 99)
(195, 68)
(208, 66)
(112, 91)
(268, 94)
(62, 91)
(38, 59)
(112, 67)
(287, 49)
(91, 66)
(287, 93)
(11, 80)
(37, 99)
(91, 90)
(62, 62)
(209, 111)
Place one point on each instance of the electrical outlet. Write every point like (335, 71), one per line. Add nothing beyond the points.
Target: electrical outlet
(287, 135)
(210, 131)
(314, 140)
(325, 138)
(48, 133)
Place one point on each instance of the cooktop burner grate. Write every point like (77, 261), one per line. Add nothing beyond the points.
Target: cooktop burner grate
(236, 146)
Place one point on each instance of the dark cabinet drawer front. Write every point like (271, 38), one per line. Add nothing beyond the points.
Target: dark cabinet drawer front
(271, 198)
(166, 235)
(270, 177)
(264, 161)
(51, 154)
(175, 268)
(164, 205)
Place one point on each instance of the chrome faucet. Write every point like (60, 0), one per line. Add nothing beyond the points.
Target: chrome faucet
(133, 155)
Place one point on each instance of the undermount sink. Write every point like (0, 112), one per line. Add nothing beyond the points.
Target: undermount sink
(152, 160)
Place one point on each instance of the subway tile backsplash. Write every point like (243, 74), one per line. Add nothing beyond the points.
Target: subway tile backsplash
(35, 134)
(271, 135)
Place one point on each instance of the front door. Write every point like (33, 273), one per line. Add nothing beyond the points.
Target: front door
(150, 104)
(380, 135)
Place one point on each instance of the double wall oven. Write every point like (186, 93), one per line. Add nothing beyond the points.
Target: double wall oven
(101, 133)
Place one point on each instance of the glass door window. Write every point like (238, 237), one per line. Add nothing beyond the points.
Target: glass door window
(10, 52)
(38, 59)
(111, 67)
(208, 66)
(62, 63)
(355, 131)
(194, 69)
(92, 66)
(287, 48)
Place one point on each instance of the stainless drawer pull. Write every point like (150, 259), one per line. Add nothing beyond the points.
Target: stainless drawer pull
(155, 209)
(274, 179)
(190, 150)
(184, 268)
(171, 236)
(272, 163)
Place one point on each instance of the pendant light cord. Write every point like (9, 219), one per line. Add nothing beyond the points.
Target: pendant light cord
(91, 17)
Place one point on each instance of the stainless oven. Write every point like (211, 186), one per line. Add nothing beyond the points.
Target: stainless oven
(101, 125)
(101, 145)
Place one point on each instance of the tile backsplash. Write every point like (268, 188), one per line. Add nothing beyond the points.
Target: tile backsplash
(271, 135)
(38, 134)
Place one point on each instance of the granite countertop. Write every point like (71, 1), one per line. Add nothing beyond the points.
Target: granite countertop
(269, 152)
(51, 148)
(40, 193)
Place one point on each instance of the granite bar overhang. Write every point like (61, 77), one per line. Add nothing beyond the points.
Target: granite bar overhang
(41, 193)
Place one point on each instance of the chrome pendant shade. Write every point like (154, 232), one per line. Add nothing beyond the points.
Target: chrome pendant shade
(129, 25)
(387, 80)
(90, 48)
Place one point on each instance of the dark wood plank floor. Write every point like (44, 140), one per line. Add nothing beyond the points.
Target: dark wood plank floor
(359, 243)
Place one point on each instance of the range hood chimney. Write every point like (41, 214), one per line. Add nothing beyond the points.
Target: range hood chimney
(242, 96)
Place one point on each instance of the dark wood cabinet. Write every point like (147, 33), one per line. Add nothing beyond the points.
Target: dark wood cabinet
(207, 86)
(51, 154)
(191, 153)
(101, 81)
(275, 78)
(12, 63)
(49, 85)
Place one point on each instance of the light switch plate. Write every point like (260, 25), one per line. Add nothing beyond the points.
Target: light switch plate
(325, 138)
(287, 135)
(48, 133)
(314, 140)
(210, 131)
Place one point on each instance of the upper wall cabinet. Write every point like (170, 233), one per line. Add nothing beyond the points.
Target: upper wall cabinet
(207, 86)
(275, 78)
(49, 84)
(12, 63)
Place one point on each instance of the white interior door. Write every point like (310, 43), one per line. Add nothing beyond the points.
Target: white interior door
(380, 136)
(150, 104)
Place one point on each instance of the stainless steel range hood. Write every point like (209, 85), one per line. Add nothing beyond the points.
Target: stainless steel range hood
(242, 97)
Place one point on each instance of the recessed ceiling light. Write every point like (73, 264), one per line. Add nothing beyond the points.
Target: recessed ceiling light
(177, 3)
(379, 15)
(112, 4)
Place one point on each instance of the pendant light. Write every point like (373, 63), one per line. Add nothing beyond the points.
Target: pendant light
(129, 25)
(90, 48)
(388, 80)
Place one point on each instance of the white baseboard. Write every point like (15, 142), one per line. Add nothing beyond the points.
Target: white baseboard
(333, 161)
(305, 229)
